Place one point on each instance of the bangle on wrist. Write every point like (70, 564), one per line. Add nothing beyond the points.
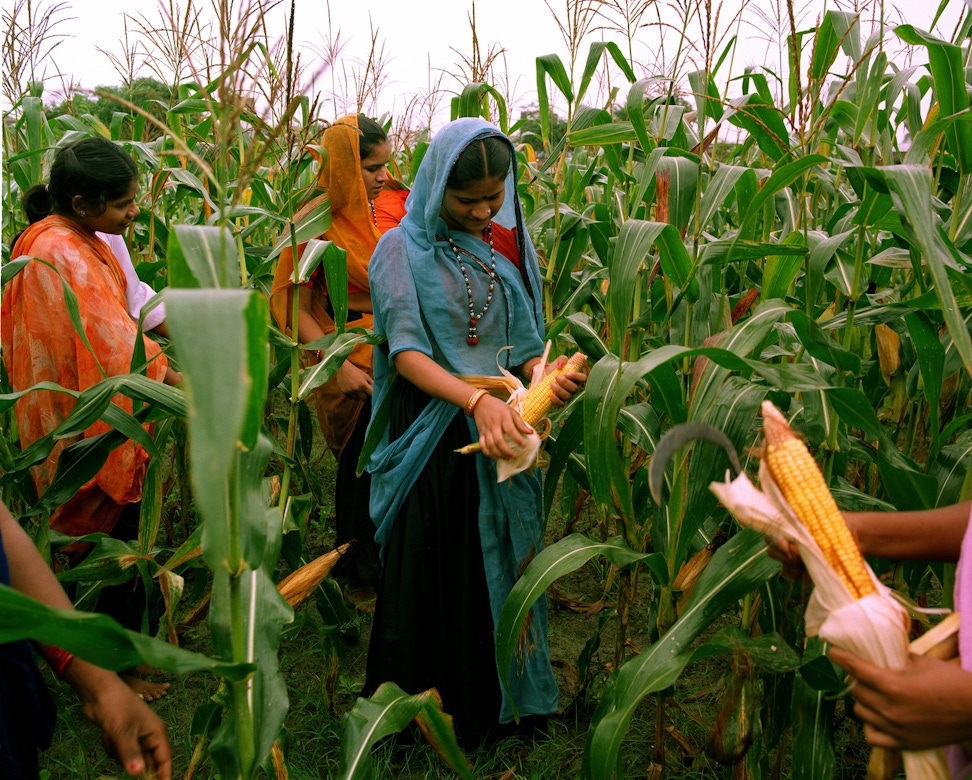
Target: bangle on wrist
(473, 400)
(58, 660)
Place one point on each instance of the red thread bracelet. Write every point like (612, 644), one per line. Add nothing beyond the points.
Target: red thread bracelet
(58, 660)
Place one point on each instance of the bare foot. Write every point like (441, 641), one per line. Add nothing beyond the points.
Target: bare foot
(362, 598)
(149, 690)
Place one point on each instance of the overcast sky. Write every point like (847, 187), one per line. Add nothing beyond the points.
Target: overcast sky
(421, 38)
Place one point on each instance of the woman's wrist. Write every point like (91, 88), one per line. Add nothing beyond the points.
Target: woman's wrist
(474, 399)
(526, 370)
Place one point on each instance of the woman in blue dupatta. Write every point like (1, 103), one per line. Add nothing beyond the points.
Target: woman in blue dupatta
(456, 291)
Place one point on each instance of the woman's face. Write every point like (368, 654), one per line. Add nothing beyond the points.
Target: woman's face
(117, 216)
(471, 208)
(374, 170)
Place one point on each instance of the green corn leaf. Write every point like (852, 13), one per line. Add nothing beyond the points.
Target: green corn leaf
(550, 564)
(312, 225)
(202, 257)
(597, 51)
(912, 184)
(738, 567)
(387, 712)
(946, 61)
(100, 640)
(813, 737)
(335, 348)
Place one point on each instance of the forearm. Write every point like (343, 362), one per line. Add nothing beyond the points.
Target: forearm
(429, 377)
(932, 535)
(29, 573)
(360, 302)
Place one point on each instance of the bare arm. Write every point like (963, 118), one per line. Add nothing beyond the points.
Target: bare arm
(932, 535)
(132, 733)
(494, 419)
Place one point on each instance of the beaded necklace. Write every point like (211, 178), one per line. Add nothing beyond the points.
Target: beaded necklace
(472, 339)
(374, 215)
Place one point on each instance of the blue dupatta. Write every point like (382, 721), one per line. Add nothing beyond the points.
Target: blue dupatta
(420, 304)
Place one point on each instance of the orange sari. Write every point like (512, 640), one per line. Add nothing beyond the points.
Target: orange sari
(40, 344)
(353, 229)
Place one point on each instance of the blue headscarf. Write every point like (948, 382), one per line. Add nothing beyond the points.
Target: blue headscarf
(420, 303)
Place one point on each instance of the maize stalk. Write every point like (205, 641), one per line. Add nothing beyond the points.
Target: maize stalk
(802, 485)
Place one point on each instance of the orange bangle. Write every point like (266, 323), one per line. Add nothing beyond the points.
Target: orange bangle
(473, 400)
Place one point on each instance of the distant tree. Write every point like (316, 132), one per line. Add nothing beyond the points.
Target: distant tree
(143, 92)
(529, 129)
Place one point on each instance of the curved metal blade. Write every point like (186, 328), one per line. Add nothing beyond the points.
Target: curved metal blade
(676, 438)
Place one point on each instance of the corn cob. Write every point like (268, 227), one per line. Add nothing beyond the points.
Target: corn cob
(538, 401)
(802, 485)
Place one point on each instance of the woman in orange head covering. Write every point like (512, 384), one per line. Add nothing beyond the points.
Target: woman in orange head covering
(355, 179)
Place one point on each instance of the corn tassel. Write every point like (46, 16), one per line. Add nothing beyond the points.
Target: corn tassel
(803, 487)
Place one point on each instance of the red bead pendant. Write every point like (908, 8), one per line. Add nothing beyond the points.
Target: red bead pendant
(472, 340)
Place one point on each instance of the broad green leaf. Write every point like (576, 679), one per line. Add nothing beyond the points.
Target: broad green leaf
(813, 737)
(550, 564)
(387, 712)
(785, 175)
(823, 347)
(912, 185)
(719, 189)
(780, 271)
(946, 61)
(764, 122)
(597, 51)
(224, 397)
(737, 568)
(335, 347)
(312, 225)
(99, 639)
(202, 257)
(683, 185)
(708, 101)
(931, 363)
(606, 473)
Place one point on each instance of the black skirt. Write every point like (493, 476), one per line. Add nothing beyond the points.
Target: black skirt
(352, 518)
(433, 627)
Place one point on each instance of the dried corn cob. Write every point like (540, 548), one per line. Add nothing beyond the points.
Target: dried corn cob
(802, 485)
(538, 401)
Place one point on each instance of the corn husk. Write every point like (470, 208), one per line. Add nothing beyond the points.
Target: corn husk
(874, 627)
(299, 584)
(525, 456)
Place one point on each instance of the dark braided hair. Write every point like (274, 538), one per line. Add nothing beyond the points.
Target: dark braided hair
(97, 169)
(485, 158)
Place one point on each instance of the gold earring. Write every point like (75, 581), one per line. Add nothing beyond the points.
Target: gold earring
(81, 212)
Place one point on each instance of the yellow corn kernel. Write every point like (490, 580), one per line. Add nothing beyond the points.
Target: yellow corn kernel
(802, 485)
(538, 401)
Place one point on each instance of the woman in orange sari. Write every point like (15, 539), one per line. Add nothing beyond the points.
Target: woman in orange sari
(92, 188)
(364, 202)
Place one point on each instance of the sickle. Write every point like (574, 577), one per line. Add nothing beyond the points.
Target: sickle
(676, 438)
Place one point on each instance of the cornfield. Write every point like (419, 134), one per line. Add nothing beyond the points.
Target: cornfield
(802, 236)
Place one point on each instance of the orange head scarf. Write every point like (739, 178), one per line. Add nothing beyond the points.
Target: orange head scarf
(352, 222)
